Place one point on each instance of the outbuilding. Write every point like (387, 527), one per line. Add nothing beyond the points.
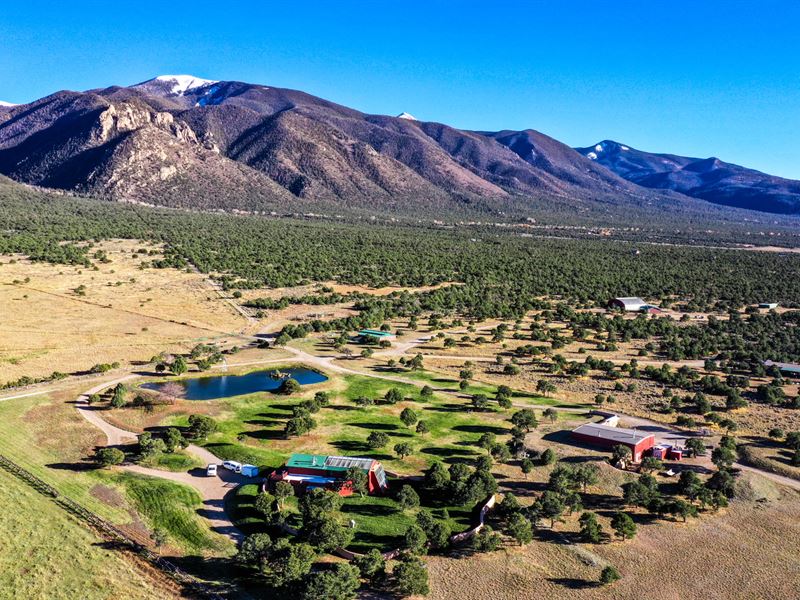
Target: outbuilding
(605, 436)
(375, 335)
(791, 369)
(250, 470)
(629, 304)
(661, 451)
(306, 471)
(768, 305)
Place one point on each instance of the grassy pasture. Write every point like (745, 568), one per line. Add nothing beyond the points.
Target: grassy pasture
(44, 553)
(251, 426)
(49, 438)
(123, 313)
(171, 508)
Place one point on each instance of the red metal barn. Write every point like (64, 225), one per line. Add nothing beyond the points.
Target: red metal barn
(605, 436)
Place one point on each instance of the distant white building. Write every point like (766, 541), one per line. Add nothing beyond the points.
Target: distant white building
(629, 304)
(768, 305)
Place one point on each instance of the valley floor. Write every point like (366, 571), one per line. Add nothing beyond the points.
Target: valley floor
(745, 551)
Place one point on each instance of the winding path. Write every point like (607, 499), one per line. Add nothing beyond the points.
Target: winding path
(212, 489)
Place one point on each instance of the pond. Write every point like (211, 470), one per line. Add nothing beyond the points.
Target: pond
(224, 386)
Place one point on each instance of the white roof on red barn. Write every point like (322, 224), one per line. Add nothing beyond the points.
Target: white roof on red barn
(616, 434)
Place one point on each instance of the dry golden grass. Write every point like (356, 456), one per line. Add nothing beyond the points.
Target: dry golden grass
(126, 314)
(756, 419)
(339, 288)
(748, 551)
(274, 320)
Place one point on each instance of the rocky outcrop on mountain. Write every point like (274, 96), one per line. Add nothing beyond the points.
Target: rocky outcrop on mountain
(185, 141)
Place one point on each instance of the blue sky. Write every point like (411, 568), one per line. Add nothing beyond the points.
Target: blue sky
(694, 77)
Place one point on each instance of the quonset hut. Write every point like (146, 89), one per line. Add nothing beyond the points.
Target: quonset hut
(307, 471)
(629, 304)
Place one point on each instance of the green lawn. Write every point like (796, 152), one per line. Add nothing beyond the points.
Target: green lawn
(251, 426)
(241, 510)
(373, 387)
(173, 509)
(175, 461)
(380, 523)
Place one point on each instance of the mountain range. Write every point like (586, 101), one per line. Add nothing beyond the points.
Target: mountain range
(707, 178)
(187, 142)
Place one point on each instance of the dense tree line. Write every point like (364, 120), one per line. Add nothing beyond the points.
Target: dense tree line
(502, 274)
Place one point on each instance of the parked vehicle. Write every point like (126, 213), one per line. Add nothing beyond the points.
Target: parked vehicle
(211, 471)
(232, 465)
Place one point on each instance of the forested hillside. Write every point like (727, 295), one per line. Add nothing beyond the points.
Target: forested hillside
(502, 272)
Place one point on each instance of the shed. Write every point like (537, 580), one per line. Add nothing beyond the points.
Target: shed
(376, 335)
(768, 305)
(605, 436)
(250, 470)
(661, 451)
(675, 453)
(629, 304)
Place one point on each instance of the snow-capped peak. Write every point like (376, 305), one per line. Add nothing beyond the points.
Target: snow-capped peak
(183, 83)
(177, 85)
(2, 103)
(407, 116)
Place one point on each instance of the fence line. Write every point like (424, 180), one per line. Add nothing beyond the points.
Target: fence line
(470, 533)
(109, 531)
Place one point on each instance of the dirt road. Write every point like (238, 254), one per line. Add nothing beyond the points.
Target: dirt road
(211, 489)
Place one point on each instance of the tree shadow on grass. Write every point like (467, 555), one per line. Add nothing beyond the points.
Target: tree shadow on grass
(546, 534)
(364, 541)
(74, 466)
(593, 501)
(369, 510)
(351, 446)
(525, 487)
(482, 429)
(449, 452)
(448, 407)
(443, 380)
(360, 448)
(266, 434)
(374, 426)
(274, 415)
(265, 422)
